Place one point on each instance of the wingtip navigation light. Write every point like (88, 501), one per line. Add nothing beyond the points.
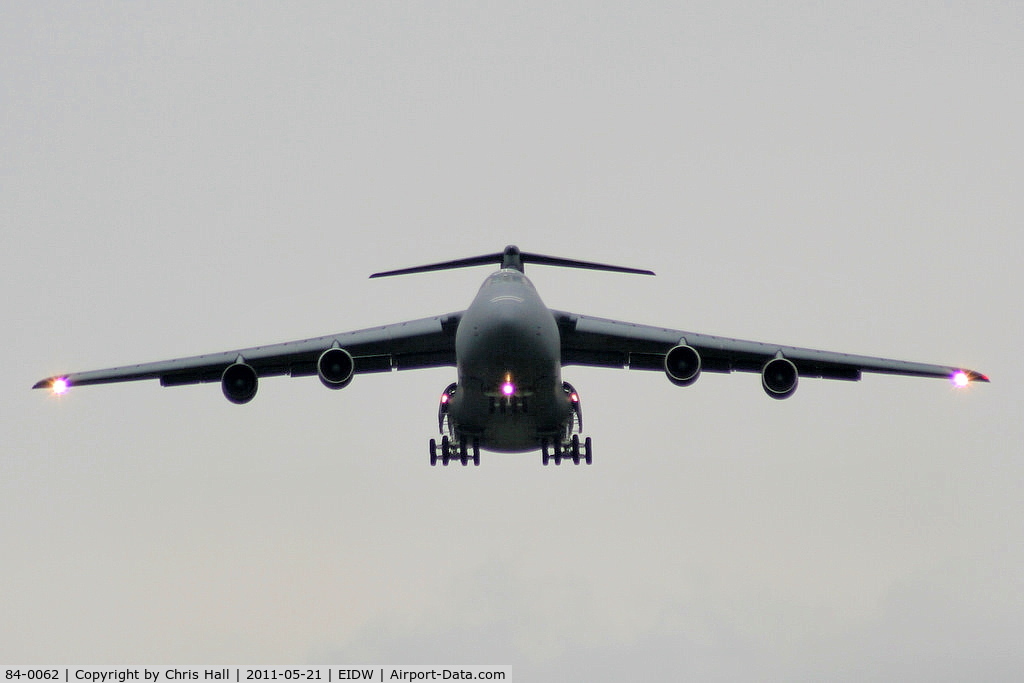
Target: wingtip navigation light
(962, 378)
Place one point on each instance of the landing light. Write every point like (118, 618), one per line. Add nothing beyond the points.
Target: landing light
(961, 379)
(60, 386)
(508, 388)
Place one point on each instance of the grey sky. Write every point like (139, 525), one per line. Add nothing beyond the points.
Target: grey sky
(185, 178)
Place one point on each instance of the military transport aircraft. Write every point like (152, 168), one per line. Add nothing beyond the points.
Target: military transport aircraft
(508, 349)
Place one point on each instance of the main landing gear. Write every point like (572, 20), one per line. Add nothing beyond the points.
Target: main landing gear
(451, 451)
(573, 450)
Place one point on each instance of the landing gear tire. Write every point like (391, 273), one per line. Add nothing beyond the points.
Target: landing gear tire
(575, 449)
(588, 456)
(465, 451)
(544, 457)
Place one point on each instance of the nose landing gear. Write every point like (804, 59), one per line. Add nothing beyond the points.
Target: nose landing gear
(450, 451)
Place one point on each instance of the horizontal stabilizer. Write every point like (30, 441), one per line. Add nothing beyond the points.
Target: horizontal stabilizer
(513, 258)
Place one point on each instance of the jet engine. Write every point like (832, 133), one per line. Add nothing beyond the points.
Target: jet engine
(239, 383)
(335, 368)
(779, 377)
(682, 365)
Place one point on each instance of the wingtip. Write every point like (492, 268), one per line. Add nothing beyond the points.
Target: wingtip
(58, 384)
(964, 377)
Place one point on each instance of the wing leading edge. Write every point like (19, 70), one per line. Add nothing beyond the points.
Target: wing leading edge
(610, 343)
(423, 343)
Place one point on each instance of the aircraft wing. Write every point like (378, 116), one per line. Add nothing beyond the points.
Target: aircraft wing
(428, 342)
(610, 343)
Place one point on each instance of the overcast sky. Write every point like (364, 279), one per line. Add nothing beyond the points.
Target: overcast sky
(181, 178)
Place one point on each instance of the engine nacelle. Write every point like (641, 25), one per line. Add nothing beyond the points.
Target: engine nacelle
(682, 365)
(779, 377)
(335, 368)
(239, 383)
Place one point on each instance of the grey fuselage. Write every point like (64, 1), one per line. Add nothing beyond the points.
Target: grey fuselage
(508, 352)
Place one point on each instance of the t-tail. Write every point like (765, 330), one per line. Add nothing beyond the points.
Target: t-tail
(513, 258)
